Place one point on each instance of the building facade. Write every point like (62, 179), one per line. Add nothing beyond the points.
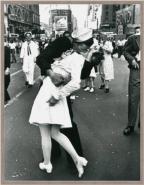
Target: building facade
(21, 18)
(108, 18)
(127, 19)
(47, 29)
(93, 16)
(74, 23)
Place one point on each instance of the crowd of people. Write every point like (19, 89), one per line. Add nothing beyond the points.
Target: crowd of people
(64, 63)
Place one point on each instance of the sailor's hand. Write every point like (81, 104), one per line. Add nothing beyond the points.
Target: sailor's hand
(135, 64)
(7, 71)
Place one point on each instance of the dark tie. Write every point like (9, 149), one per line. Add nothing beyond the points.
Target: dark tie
(28, 49)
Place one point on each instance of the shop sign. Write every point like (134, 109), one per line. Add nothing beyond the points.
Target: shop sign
(60, 23)
(13, 35)
(125, 16)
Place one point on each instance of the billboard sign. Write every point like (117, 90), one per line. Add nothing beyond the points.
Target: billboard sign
(60, 23)
(125, 16)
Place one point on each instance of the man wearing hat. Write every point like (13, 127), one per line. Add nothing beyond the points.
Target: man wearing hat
(28, 54)
(132, 55)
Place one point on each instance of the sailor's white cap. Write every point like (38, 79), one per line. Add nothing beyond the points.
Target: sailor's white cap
(82, 35)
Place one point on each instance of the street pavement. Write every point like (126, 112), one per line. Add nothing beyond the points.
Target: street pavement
(100, 118)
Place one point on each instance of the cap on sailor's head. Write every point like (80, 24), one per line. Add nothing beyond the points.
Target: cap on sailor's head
(82, 35)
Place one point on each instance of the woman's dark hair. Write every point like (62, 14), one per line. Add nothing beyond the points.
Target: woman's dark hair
(66, 32)
(53, 50)
(59, 46)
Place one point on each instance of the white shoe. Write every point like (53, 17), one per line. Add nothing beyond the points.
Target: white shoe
(47, 167)
(87, 89)
(91, 90)
(80, 166)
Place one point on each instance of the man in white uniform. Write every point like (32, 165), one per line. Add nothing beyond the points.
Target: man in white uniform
(28, 54)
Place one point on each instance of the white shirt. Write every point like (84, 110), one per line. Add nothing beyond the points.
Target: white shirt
(72, 64)
(119, 43)
(95, 41)
(12, 45)
(33, 47)
(124, 41)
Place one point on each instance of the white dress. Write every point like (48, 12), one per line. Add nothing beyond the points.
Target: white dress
(93, 73)
(42, 112)
(108, 68)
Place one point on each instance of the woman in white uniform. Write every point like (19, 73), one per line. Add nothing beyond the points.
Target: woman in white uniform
(50, 111)
(107, 67)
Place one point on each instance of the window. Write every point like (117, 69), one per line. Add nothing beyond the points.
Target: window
(15, 8)
(23, 14)
(26, 16)
(114, 19)
(106, 18)
(107, 7)
(9, 10)
(106, 13)
(19, 13)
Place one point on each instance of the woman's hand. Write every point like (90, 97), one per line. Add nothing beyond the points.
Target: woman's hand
(135, 64)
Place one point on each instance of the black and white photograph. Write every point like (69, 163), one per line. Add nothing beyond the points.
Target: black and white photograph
(71, 91)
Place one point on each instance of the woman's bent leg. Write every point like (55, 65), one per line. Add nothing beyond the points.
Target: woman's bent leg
(66, 144)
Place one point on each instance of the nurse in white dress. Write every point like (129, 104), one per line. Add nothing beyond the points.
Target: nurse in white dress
(107, 67)
(50, 111)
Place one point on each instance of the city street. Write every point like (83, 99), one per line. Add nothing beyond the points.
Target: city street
(100, 117)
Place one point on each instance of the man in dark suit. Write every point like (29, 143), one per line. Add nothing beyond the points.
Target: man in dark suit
(6, 72)
(132, 55)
